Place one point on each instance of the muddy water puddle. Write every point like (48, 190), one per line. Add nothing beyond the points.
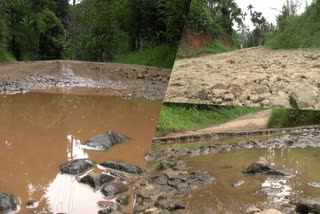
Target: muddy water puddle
(39, 132)
(222, 197)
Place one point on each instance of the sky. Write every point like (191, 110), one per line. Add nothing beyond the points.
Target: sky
(268, 8)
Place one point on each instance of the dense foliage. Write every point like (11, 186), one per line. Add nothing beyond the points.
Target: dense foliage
(95, 30)
(297, 31)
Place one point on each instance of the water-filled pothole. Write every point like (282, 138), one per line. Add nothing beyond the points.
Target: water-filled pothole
(39, 132)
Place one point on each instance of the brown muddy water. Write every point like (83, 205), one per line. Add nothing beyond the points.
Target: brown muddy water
(222, 197)
(39, 132)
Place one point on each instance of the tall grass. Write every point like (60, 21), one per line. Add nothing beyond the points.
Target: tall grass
(282, 118)
(178, 117)
(161, 56)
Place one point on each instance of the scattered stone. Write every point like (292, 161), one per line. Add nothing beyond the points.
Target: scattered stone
(308, 205)
(314, 184)
(96, 180)
(123, 200)
(105, 141)
(270, 211)
(252, 210)
(7, 203)
(280, 102)
(108, 207)
(220, 85)
(113, 189)
(32, 204)
(262, 167)
(228, 97)
(160, 179)
(76, 167)
(122, 167)
(262, 89)
(238, 183)
(170, 205)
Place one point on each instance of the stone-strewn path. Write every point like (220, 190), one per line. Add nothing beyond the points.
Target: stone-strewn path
(249, 77)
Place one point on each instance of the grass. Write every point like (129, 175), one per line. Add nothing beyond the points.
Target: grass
(176, 117)
(199, 144)
(214, 47)
(217, 47)
(5, 56)
(298, 31)
(282, 118)
(161, 56)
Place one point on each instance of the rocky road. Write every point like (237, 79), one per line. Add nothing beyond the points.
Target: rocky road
(249, 77)
(21, 77)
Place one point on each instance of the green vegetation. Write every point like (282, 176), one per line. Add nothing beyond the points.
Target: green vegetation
(5, 56)
(179, 117)
(282, 118)
(92, 30)
(217, 47)
(214, 19)
(159, 56)
(297, 31)
(199, 144)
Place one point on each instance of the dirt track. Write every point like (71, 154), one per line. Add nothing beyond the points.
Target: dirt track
(248, 122)
(150, 82)
(249, 77)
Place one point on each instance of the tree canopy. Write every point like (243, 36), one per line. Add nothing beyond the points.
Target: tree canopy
(95, 30)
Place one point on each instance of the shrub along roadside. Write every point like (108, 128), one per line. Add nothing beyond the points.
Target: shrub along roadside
(298, 31)
(283, 118)
(176, 117)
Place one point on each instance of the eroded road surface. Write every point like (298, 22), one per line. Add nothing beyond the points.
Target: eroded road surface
(113, 78)
(249, 77)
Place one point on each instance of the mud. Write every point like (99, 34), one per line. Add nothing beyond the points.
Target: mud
(123, 79)
(249, 77)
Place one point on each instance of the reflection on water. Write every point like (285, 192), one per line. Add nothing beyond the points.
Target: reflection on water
(38, 132)
(75, 150)
(221, 196)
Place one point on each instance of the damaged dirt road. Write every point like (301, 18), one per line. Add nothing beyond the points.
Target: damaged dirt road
(74, 76)
(249, 77)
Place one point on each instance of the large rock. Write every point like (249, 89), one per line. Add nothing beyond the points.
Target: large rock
(105, 141)
(262, 167)
(96, 180)
(76, 167)
(303, 98)
(7, 203)
(132, 169)
(113, 189)
(308, 205)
